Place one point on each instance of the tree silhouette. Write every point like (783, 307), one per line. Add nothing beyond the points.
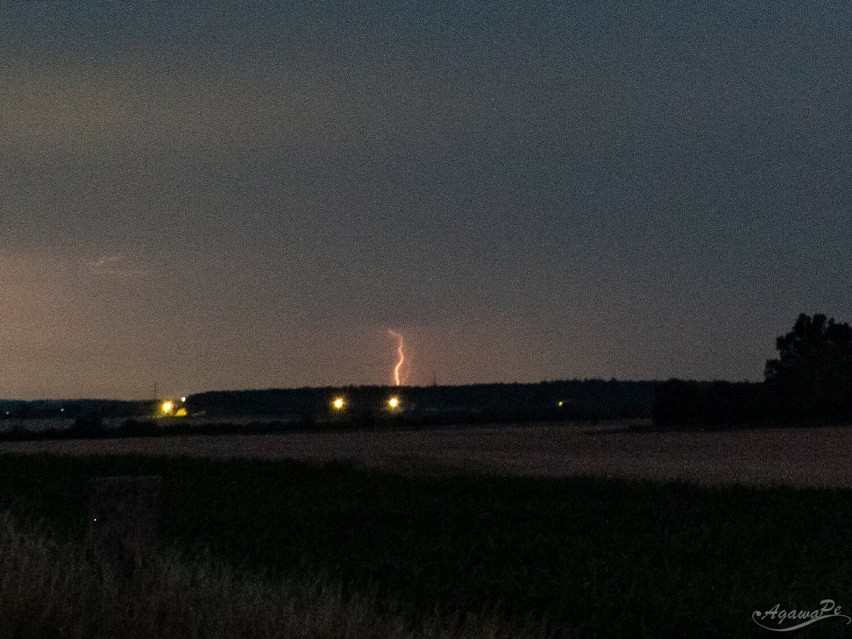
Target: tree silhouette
(812, 377)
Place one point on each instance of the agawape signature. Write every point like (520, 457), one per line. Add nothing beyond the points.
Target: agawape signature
(787, 620)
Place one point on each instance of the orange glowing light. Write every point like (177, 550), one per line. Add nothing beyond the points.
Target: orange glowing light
(167, 407)
(393, 403)
(338, 404)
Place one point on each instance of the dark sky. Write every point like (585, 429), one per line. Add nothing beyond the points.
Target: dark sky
(250, 194)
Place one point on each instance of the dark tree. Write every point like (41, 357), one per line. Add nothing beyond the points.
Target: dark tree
(812, 377)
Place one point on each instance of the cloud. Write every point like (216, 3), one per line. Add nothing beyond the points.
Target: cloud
(132, 107)
(216, 107)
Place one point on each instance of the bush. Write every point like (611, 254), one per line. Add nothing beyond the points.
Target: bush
(812, 377)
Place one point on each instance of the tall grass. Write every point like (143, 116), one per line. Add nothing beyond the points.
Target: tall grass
(49, 589)
(600, 558)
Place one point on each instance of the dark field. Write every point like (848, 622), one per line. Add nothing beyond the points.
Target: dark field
(599, 557)
(817, 457)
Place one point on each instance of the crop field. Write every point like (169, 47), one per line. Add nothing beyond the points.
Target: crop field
(537, 531)
(588, 557)
(792, 456)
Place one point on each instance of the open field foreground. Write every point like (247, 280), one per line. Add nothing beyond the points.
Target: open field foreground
(50, 589)
(576, 557)
(793, 456)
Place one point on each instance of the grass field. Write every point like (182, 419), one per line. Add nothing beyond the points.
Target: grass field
(595, 557)
(791, 456)
(52, 589)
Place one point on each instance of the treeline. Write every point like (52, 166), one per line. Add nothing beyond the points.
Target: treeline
(478, 403)
(809, 383)
(74, 409)
(680, 403)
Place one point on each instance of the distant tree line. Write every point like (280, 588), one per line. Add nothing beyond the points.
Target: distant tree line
(74, 409)
(810, 382)
(430, 405)
(281, 410)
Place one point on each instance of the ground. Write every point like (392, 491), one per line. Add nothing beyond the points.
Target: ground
(791, 456)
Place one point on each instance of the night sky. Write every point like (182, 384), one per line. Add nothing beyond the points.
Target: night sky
(225, 195)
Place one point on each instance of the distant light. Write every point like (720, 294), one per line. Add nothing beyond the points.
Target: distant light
(338, 404)
(560, 404)
(167, 407)
(183, 399)
(181, 412)
(393, 402)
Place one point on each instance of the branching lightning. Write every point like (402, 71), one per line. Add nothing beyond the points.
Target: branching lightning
(400, 351)
(113, 265)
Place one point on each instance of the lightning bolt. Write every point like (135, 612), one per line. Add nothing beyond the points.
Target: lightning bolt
(112, 265)
(400, 351)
